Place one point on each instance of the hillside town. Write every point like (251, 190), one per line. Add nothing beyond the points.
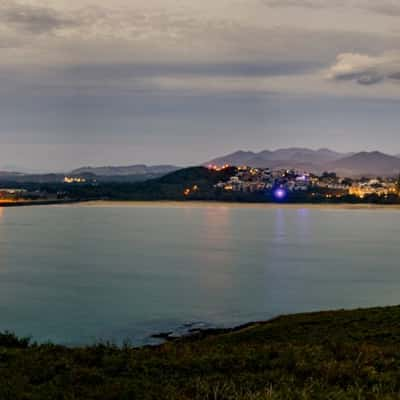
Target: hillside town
(15, 196)
(212, 182)
(283, 182)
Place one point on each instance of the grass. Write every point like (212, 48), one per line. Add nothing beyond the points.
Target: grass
(328, 355)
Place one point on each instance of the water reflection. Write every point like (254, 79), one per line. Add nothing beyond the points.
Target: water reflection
(303, 225)
(280, 227)
(216, 229)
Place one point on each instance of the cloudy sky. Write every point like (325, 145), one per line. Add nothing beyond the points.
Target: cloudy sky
(181, 81)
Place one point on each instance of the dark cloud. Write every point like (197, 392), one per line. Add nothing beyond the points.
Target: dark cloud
(34, 19)
(363, 78)
(389, 8)
(385, 7)
(249, 69)
(370, 78)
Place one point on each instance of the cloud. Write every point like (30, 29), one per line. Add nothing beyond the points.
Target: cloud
(389, 8)
(384, 7)
(303, 3)
(237, 69)
(98, 22)
(366, 69)
(33, 18)
(126, 31)
(127, 44)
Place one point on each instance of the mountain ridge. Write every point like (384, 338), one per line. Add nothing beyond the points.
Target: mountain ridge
(367, 163)
(298, 154)
(130, 173)
(346, 164)
(135, 169)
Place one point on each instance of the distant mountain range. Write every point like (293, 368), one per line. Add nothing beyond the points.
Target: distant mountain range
(345, 164)
(267, 158)
(131, 173)
(373, 163)
(139, 169)
(366, 163)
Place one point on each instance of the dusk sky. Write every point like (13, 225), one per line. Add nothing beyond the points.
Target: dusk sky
(181, 81)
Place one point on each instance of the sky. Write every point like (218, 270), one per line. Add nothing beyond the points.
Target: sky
(180, 82)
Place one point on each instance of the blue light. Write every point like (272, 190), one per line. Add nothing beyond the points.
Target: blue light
(280, 193)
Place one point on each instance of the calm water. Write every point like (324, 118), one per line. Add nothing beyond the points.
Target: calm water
(78, 274)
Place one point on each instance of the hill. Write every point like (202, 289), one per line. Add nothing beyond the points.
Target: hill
(139, 169)
(237, 158)
(290, 158)
(366, 163)
(373, 163)
(342, 355)
(199, 180)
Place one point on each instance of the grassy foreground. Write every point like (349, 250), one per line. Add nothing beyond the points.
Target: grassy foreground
(327, 355)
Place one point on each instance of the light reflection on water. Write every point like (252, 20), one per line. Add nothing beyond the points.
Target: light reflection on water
(78, 274)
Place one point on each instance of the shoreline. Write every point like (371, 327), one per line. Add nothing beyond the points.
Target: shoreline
(200, 204)
(226, 204)
(196, 334)
(30, 203)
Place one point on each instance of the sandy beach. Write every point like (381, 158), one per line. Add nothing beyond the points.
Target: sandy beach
(216, 204)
